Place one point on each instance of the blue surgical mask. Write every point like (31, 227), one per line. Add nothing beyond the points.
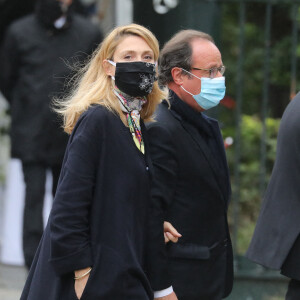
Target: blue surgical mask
(212, 91)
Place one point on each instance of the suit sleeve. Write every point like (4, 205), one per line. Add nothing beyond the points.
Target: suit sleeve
(164, 161)
(9, 61)
(70, 216)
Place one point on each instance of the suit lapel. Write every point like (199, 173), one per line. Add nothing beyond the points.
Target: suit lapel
(219, 138)
(201, 143)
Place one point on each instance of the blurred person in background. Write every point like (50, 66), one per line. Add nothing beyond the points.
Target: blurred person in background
(94, 245)
(191, 187)
(276, 240)
(11, 10)
(34, 68)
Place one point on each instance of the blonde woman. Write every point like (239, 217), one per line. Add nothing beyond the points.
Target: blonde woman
(94, 244)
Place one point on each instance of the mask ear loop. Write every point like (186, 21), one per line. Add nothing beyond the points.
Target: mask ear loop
(192, 75)
(111, 62)
(187, 91)
(114, 64)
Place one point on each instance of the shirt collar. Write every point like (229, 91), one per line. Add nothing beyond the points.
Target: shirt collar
(60, 22)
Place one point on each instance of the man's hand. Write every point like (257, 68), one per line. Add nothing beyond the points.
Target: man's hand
(171, 296)
(170, 233)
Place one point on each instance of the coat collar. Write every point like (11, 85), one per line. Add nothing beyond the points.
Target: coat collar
(190, 115)
(193, 122)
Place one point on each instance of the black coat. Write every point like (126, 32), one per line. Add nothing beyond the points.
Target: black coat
(276, 243)
(11, 10)
(99, 216)
(33, 70)
(191, 190)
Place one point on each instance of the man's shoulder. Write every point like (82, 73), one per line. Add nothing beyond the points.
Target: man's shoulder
(163, 115)
(22, 24)
(165, 124)
(290, 123)
(294, 104)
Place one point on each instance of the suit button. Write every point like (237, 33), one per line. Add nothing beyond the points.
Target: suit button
(147, 168)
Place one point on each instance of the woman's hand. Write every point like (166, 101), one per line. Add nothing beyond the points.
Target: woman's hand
(170, 233)
(81, 282)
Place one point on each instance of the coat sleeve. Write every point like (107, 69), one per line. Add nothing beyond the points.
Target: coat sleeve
(162, 152)
(70, 215)
(9, 62)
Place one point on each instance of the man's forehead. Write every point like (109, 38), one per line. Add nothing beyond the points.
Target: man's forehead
(205, 50)
(201, 44)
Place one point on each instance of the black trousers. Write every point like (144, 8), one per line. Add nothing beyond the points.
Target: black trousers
(35, 179)
(293, 292)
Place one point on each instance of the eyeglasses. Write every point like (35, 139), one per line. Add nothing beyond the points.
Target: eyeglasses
(213, 71)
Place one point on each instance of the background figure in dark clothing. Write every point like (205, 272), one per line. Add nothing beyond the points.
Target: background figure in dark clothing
(11, 10)
(34, 70)
(276, 240)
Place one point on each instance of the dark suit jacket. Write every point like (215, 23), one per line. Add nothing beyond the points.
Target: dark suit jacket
(191, 190)
(275, 243)
(98, 218)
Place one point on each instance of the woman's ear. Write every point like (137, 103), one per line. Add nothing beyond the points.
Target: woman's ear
(108, 68)
(177, 75)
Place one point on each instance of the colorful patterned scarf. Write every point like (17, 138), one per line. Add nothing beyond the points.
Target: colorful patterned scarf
(132, 106)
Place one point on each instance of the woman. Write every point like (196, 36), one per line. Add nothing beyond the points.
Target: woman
(94, 244)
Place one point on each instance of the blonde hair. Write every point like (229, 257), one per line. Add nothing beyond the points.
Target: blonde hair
(94, 86)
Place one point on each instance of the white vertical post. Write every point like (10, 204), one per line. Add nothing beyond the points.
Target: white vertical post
(124, 12)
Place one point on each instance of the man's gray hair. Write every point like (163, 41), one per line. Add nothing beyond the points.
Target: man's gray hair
(177, 52)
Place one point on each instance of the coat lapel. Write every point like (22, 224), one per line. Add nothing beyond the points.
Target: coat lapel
(202, 144)
(148, 160)
(219, 138)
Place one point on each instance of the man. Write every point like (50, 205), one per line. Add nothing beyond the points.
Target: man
(34, 67)
(276, 241)
(11, 10)
(191, 186)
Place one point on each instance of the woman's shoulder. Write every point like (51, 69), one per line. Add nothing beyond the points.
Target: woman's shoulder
(98, 113)
(93, 120)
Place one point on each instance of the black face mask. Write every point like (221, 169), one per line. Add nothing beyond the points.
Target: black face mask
(48, 11)
(135, 78)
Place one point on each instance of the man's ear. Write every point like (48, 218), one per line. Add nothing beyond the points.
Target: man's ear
(109, 69)
(177, 75)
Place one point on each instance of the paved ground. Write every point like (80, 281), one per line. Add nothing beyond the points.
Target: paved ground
(11, 282)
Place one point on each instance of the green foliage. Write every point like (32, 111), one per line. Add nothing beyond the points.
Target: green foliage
(254, 65)
(252, 81)
(250, 167)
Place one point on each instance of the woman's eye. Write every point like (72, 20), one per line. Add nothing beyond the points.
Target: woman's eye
(127, 57)
(148, 57)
